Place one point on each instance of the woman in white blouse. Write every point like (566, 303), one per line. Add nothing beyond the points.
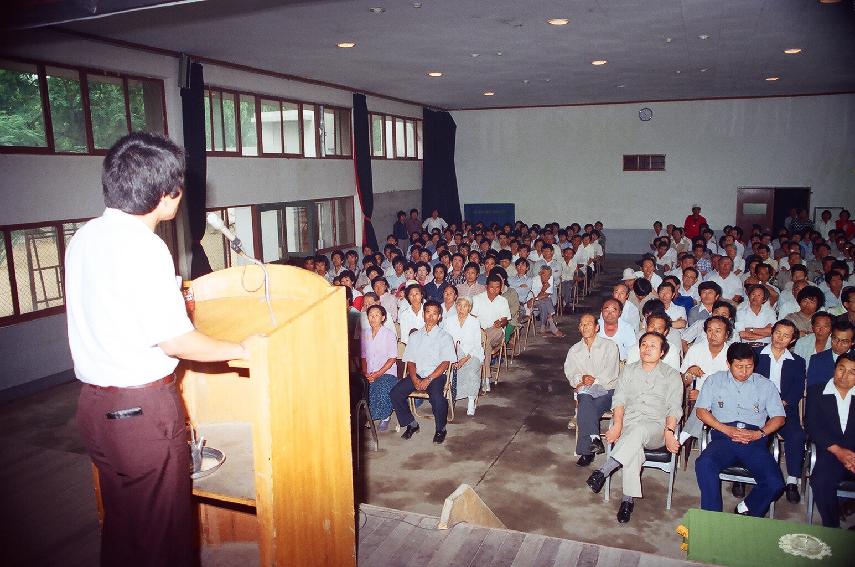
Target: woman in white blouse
(466, 333)
(449, 300)
(411, 313)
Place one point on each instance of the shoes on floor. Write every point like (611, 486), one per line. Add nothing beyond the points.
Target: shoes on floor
(585, 460)
(411, 430)
(792, 492)
(738, 489)
(625, 511)
(596, 481)
(597, 446)
(736, 511)
(439, 437)
(572, 423)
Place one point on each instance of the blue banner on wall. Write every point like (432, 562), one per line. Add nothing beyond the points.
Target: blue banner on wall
(488, 213)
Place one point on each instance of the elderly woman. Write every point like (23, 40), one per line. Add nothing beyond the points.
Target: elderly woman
(466, 333)
(379, 351)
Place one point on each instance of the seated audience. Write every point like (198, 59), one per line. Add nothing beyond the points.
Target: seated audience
(754, 318)
(744, 410)
(470, 286)
(822, 363)
(830, 423)
(541, 299)
(847, 297)
(449, 302)
(429, 352)
(435, 288)
(810, 300)
(591, 367)
(612, 327)
(379, 352)
(657, 322)
(492, 311)
(411, 312)
(466, 334)
(666, 292)
(818, 340)
(646, 406)
(629, 312)
(730, 284)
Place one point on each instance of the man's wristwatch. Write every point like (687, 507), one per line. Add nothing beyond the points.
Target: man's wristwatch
(762, 433)
(671, 430)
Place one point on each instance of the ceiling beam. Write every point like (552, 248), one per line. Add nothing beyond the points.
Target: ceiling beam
(28, 14)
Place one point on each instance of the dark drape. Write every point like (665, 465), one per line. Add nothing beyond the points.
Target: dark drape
(439, 180)
(193, 114)
(362, 165)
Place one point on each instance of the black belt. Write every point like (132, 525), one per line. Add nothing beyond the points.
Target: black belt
(162, 382)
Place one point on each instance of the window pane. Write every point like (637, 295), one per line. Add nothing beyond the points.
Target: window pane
(329, 132)
(326, 238)
(107, 109)
(146, 101)
(37, 269)
(6, 307)
(420, 139)
(309, 133)
(344, 129)
(411, 139)
(69, 228)
(66, 110)
(291, 117)
(248, 133)
(214, 244)
(272, 248)
(271, 127)
(208, 139)
(344, 221)
(390, 140)
(376, 135)
(21, 117)
(230, 122)
(297, 229)
(217, 115)
(400, 148)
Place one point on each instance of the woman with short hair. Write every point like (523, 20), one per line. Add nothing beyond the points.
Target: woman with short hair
(466, 333)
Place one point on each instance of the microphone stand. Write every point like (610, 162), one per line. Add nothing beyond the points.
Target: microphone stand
(237, 246)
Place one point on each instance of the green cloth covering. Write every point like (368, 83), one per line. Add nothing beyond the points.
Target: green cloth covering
(736, 541)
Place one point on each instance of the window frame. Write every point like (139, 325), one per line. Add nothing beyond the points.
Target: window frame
(384, 116)
(334, 220)
(643, 162)
(337, 120)
(208, 93)
(83, 74)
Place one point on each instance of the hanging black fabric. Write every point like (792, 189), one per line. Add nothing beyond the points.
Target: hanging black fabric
(362, 165)
(439, 180)
(195, 175)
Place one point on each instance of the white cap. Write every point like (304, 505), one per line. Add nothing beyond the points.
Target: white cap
(628, 274)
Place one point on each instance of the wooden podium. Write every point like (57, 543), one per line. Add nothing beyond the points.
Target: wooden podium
(282, 417)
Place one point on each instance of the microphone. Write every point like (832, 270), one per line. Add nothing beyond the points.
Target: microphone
(217, 223)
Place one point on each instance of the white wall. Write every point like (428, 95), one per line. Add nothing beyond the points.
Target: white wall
(565, 163)
(39, 188)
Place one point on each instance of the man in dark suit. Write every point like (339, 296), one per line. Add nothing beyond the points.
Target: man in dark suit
(787, 372)
(830, 422)
(822, 363)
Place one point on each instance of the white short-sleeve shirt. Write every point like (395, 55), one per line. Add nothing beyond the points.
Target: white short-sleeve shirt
(122, 300)
(488, 312)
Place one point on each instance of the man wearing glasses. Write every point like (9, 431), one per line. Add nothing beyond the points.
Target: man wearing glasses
(822, 363)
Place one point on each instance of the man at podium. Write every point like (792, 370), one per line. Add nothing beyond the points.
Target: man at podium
(127, 328)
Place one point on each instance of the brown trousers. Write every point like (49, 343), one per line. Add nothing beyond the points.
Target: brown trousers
(144, 468)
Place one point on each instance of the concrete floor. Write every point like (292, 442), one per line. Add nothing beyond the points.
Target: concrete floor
(516, 452)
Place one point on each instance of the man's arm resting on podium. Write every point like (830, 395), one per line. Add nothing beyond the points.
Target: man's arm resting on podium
(200, 347)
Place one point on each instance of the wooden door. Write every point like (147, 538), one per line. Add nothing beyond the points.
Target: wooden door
(754, 205)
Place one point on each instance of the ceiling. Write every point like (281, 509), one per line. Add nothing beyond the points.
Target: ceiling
(653, 47)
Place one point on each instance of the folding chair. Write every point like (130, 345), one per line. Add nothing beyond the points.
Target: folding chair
(661, 459)
(501, 354)
(446, 391)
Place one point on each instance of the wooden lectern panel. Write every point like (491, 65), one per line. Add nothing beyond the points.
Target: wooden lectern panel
(282, 417)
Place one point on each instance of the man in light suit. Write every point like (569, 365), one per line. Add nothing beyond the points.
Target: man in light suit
(830, 421)
(821, 365)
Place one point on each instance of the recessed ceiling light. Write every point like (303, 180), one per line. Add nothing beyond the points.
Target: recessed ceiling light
(489, 93)
(499, 53)
(377, 10)
(829, 1)
(703, 36)
(558, 21)
(475, 54)
(346, 44)
(525, 81)
(678, 71)
(620, 86)
(417, 4)
(704, 70)
(668, 40)
(546, 80)
(434, 74)
(599, 62)
(770, 79)
(793, 50)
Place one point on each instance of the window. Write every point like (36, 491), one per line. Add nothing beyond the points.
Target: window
(216, 246)
(47, 108)
(335, 223)
(304, 228)
(248, 126)
(221, 116)
(395, 137)
(644, 162)
(336, 132)
(271, 127)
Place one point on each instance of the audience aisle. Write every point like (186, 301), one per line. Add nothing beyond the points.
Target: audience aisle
(517, 454)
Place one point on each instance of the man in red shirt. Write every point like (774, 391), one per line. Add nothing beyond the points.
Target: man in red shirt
(693, 223)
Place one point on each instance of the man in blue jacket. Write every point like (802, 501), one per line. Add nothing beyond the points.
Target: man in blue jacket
(830, 422)
(787, 372)
(822, 363)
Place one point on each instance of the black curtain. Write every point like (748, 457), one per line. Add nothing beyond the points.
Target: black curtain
(193, 113)
(362, 165)
(439, 180)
